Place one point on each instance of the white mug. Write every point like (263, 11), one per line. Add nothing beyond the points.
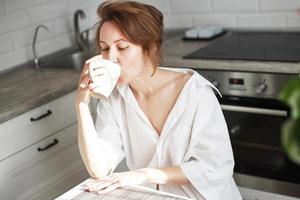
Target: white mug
(104, 74)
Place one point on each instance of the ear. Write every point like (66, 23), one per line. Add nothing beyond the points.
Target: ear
(153, 48)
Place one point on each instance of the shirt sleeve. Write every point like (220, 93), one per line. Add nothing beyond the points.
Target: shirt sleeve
(109, 135)
(208, 163)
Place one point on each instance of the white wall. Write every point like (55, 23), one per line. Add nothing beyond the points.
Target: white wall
(18, 19)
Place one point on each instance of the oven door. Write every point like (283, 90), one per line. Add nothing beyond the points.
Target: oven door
(255, 130)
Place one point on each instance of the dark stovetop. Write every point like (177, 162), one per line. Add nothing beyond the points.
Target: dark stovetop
(253, 45)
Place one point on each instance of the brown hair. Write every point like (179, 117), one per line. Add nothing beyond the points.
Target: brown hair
(142, 24)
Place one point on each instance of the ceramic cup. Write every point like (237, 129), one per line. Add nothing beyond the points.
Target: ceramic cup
(104, 74)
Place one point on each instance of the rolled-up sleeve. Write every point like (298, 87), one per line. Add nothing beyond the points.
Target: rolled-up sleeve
(208, 163)
(109, 135)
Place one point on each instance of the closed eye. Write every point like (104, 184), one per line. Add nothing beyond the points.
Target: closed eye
(120, 48)
(123, 48)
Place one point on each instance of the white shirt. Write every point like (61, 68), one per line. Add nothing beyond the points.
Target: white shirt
(194, 137)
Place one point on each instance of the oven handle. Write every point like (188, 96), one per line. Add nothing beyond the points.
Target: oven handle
(264, 111)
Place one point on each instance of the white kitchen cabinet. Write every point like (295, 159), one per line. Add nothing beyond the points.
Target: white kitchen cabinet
(36, 124)
(40, 159)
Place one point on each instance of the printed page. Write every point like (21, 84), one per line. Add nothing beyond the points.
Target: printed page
(129, 193)
(125, 193)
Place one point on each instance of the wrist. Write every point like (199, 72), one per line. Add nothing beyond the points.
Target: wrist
(152, 175)
(81, 106)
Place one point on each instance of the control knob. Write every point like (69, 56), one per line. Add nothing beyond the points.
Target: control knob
(261, 87)
(215, 83)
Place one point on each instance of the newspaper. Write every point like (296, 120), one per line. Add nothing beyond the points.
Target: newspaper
(124, 193)
(128, 193)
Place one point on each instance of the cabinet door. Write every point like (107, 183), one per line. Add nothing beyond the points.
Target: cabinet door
(46, 169)
(4, 191)
(35, 125)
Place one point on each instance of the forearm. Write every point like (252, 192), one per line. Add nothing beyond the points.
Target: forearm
(89, 147)
(167, 175)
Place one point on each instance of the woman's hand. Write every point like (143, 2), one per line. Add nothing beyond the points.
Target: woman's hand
(85, 85)
(116, 180)
(83, 88)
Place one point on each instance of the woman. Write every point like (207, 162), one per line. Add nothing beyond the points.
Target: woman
(167, 123)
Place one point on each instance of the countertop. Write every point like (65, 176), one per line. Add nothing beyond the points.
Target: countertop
(175, 48)
(25, 88)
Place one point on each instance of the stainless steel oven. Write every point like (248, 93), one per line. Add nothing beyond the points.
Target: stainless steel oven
(254, 117)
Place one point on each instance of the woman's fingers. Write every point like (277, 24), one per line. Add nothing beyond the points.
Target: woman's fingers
(101, 184)
(110, 183)
(85, 69)
(92, 182)
(84, 81)
(109, 188)
(93, 85)
(97, 69)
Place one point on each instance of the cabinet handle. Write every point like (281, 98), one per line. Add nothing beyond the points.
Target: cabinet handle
(49, 112)
(55, 141)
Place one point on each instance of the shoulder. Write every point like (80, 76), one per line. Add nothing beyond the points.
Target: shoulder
(175, 75)
(181, 79)
(185, 75)
(170, 80)
(203, 84)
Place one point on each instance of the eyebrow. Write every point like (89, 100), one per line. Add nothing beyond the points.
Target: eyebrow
(115, 41)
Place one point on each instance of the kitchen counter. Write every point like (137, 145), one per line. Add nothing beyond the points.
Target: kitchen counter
(25, 88)
(175, 48)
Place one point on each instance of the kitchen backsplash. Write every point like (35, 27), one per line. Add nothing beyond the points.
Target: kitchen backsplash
(18, 19)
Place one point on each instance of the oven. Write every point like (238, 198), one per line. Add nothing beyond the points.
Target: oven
(254, 117)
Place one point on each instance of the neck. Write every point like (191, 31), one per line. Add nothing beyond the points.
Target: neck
(145, 84)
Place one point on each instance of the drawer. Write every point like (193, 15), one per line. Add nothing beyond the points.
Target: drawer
(40, 151)
(31, 127)
(32, 171)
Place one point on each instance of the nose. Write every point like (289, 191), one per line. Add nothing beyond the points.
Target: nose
(115, 60)
(113, 56)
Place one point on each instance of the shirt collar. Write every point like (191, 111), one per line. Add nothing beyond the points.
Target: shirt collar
(188, 92)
